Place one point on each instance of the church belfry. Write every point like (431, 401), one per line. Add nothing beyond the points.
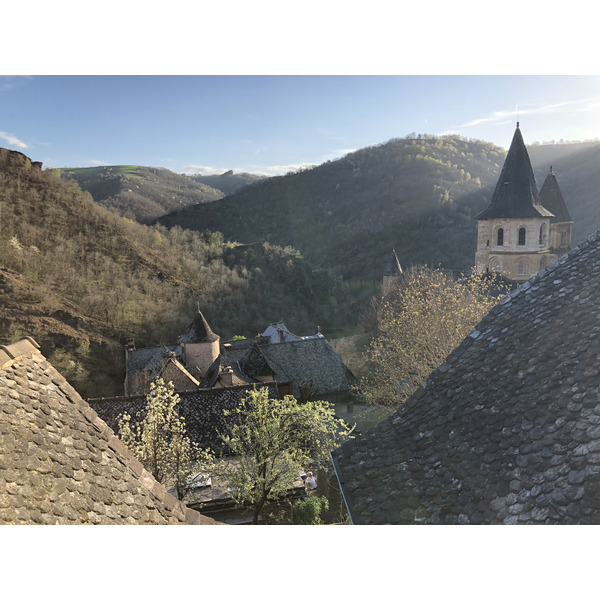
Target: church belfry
(517, 231)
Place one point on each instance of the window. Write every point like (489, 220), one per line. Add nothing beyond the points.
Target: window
(500, 241)
(521, 267)
(542, 234)
(522, 236)
(563, 238)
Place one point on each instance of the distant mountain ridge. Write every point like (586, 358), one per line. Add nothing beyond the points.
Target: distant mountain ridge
(140, 193)
(228, 182)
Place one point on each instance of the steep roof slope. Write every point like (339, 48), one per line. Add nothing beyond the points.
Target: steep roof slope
(551, 198)
(507, 429)
(515, 195)
(60, 463)
(199, 332)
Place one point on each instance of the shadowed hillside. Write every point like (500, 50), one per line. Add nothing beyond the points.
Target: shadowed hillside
(228, 182)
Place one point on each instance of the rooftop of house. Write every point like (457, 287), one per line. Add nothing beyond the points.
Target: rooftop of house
(203, 410)
(515, 195)
(314, 362)
(60, 463)
(507, 429)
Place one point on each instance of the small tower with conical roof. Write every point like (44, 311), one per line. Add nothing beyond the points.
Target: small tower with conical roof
(200, 345)
(561, 224)
(512, 236)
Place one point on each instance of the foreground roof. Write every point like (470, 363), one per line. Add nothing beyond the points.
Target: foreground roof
(507, 429)
(515, 195)
(60, 463)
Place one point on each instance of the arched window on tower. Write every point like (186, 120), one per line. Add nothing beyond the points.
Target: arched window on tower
(500, 238)
(543, 234)
(522, 236)
(521, 268)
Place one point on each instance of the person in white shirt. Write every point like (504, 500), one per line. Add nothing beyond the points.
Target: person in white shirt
(310, 483)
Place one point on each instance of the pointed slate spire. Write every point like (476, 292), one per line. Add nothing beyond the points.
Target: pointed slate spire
(199, 332)
(516, 194)
(552, 199)
(394, 268)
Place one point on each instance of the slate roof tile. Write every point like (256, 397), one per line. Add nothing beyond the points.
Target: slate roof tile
(520, 444)
(60, 463)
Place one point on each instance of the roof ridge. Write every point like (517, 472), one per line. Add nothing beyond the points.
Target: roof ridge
(18, 350)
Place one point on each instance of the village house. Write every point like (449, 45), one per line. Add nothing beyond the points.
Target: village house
(304, 366)
(507, 429)
(60, 463)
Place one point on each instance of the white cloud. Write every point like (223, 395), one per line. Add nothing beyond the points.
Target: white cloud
(501, 116)
(12, 140)
(97, 163)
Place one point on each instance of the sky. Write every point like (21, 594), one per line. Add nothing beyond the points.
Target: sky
(272, 124)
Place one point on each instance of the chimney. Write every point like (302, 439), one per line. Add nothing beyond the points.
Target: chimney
(226, 376)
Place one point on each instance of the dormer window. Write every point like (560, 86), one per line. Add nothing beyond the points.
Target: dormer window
(522, 236)
(500, 240)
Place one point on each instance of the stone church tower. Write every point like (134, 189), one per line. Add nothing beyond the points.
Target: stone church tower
(518, 233)
(200, 346)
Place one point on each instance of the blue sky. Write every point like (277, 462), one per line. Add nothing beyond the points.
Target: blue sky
(274, 124)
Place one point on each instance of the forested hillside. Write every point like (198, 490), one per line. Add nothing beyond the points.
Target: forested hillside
(140, 193)
(82, 280)
(418, 194)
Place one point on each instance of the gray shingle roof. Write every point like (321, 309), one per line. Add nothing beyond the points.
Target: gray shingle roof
(515, 195)
(202, 410)
(60, 463)
(306, 360)
(507, 429)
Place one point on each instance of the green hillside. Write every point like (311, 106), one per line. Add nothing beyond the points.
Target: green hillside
(418, 195)
(140, 193)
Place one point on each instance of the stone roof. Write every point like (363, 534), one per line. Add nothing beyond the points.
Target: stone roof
(515, 195)
(60, 463)
(507, 429)
(198, 332)
(552, 199)
(306, 360)
(202, 410)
